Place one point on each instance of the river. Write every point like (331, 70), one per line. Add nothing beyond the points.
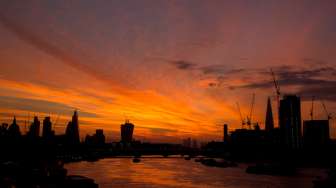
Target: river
(177, 172)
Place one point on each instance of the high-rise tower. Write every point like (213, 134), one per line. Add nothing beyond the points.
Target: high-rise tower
(34, 129)
(225, 133)
(126, 131)
(72, 130)
(290, 121)
(269, 122)
(47, 132)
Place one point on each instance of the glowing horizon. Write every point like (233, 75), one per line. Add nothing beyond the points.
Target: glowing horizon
(175, 69)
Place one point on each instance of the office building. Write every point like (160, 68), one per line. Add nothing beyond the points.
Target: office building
(225, 133)
(97, 139)
(72, 130)
(47, 132)
(126, 131)
(34, 129)
(290, 121)
(315, 133)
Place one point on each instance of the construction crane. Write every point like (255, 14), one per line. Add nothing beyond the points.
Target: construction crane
(277, 88)
(326, 111)
(240, 114)
(249, 118)
(312, 109)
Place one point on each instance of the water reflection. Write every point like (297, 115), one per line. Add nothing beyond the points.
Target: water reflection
(177, 172)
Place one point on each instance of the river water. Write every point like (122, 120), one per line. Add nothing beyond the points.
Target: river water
(178, 172)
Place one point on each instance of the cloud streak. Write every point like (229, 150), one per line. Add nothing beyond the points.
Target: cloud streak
(314, 78)
(183, 65)
(40, 106)
(309, 81)
(52, 50)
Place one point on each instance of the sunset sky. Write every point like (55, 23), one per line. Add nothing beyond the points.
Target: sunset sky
(174, 68)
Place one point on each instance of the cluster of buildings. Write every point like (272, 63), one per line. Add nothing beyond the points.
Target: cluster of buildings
(71, 135)
(98, 139)
(289, 134)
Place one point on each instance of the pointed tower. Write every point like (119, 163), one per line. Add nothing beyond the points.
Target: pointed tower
(14, 129)
(269, 122)
(75, 127)
(72, 130)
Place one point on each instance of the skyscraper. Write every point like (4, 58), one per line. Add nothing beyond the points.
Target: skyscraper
(290, 121)
(72, 130)
(126, 131)
(34, 129)
(100, 137)
(225, 133)
(47, 132)
(269, 122)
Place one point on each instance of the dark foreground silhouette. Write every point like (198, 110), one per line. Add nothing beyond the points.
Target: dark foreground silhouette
(32, 160)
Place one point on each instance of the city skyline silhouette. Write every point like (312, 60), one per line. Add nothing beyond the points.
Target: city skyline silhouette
(167, 93)
(135, 71)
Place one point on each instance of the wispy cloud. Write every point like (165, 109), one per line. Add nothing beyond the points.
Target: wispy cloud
(49, 48)
(183, 65)
(159, 130)
(318, 81)
(313, 77)
(40, 106)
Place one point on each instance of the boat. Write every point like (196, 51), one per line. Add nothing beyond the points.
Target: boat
(165, 155)
(136, 160)
(187, 158)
